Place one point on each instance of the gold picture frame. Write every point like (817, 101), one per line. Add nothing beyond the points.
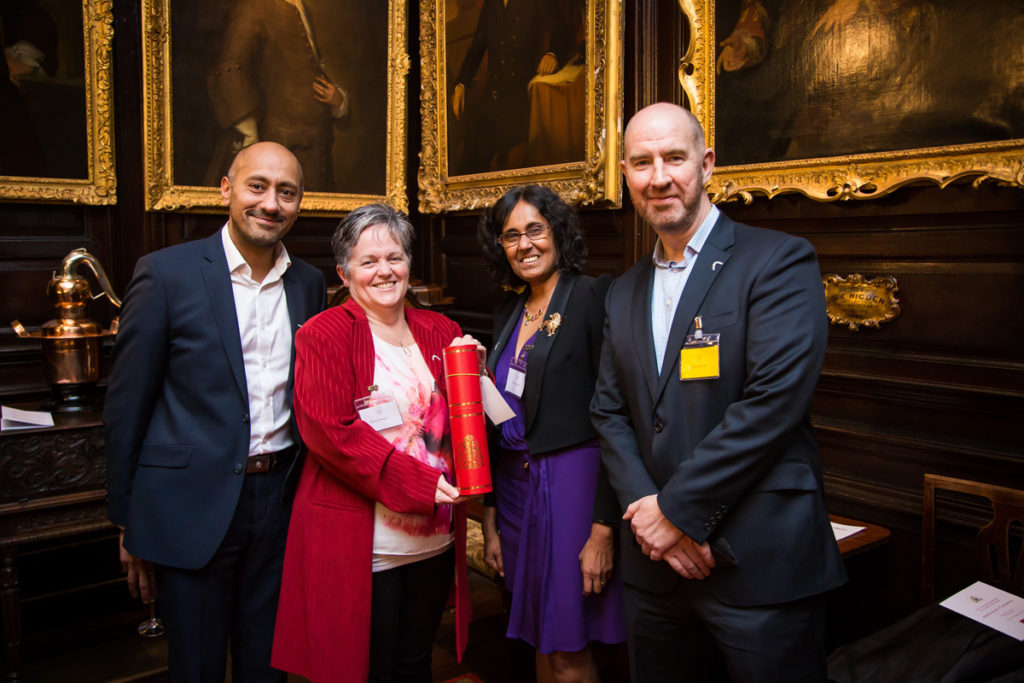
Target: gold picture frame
(593, 179)
(98, 184)
(844, 176)
(164, 192)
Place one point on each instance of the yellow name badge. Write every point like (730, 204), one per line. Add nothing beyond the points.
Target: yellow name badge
(698, 359)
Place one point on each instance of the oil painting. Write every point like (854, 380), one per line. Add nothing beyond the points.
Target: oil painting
(325, 79)
(519, 91)
(56, 120)
(834, 98)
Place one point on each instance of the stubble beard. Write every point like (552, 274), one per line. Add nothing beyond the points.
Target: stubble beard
(260, 235)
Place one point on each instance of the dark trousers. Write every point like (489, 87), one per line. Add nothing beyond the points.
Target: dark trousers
(689, 635)
(407, 606)
(233, 599)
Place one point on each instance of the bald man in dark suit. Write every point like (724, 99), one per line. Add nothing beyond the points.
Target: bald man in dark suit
(713, 346)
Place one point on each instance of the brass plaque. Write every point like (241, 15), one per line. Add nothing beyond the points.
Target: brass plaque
(854, 301)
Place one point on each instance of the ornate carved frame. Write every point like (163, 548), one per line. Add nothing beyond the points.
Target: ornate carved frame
(162, 194)
(101, 185)
(594, 180)
(855, 176)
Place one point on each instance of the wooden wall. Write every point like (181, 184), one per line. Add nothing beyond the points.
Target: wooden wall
(941, 389)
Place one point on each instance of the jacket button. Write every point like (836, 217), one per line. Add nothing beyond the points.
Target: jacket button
(245, 419)
(238, 468)
(658, 426)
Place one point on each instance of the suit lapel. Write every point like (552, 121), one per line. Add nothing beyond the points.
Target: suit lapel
(363, 358)
(643, 336)
(222, 300)
(513, 310)
(542, 343)
(296, 314)
(711, 262)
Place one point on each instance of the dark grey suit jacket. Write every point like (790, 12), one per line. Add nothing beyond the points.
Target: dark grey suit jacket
(734, 460)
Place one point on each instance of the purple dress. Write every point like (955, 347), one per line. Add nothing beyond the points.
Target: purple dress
(545, 509)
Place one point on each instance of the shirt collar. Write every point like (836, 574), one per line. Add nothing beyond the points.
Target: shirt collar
(237, 264)
(693, 247)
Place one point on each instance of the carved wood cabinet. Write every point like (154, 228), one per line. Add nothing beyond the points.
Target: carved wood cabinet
(51, 491)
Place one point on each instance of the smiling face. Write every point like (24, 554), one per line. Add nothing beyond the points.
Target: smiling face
(666, 166)
(378, 272)
(533, 261)
(262, 191)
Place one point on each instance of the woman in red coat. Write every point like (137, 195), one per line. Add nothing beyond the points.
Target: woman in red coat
(376, 532)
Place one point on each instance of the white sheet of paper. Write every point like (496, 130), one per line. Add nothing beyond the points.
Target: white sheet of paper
(494, 405)
(14, 418)
(845, 530)
(990, 606)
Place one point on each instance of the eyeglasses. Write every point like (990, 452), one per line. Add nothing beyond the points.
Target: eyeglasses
(511, 238)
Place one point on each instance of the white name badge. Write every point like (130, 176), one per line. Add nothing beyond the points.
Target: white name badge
(516, 382)
(379, 410)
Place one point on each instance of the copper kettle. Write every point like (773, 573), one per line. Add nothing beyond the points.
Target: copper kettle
(71, 342)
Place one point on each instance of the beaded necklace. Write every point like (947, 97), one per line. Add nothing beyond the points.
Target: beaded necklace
(528, 318)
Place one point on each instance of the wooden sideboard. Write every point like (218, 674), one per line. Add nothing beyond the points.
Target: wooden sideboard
(51, 486)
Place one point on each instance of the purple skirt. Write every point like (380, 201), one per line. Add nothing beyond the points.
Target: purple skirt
(545, 510)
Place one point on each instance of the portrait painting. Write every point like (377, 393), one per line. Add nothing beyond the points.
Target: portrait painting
(516, 92)
(502, 62)
(55, 107)
(854, 98)
(324, 78)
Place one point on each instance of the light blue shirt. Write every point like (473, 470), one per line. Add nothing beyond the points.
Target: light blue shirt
(669, 280)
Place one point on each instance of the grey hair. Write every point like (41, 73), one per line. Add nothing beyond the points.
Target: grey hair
(352, 226)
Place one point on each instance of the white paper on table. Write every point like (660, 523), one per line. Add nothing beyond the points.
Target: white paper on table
(15, 418)
(494, 405)
(990, 606)
(842, 531)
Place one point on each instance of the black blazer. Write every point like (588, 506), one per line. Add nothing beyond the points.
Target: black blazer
(734, 460)
(177, 407)
(561, 370)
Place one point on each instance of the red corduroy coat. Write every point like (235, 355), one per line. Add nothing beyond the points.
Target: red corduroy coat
(323, 619)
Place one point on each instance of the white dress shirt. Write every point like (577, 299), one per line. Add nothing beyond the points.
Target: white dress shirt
(669, 280)
(265, 330)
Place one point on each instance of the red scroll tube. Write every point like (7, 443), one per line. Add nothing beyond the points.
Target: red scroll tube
(466, 415)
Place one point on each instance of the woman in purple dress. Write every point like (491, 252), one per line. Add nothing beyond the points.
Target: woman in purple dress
(548, 527)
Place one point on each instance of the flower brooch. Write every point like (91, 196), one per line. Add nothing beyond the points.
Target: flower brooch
(552, 323)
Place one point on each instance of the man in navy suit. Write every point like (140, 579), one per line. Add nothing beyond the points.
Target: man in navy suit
(199, 432)
(713, 346)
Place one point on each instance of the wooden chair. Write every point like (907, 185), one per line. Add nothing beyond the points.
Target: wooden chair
(933, 643)
(993, 543)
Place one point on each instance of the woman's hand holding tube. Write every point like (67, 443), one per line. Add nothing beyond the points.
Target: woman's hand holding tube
(446, 494)
(470, 340)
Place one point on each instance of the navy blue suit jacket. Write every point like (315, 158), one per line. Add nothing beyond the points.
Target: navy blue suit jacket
(177, 408)
(734, 460)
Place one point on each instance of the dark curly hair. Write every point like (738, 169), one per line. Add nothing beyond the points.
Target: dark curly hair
(565, 232)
